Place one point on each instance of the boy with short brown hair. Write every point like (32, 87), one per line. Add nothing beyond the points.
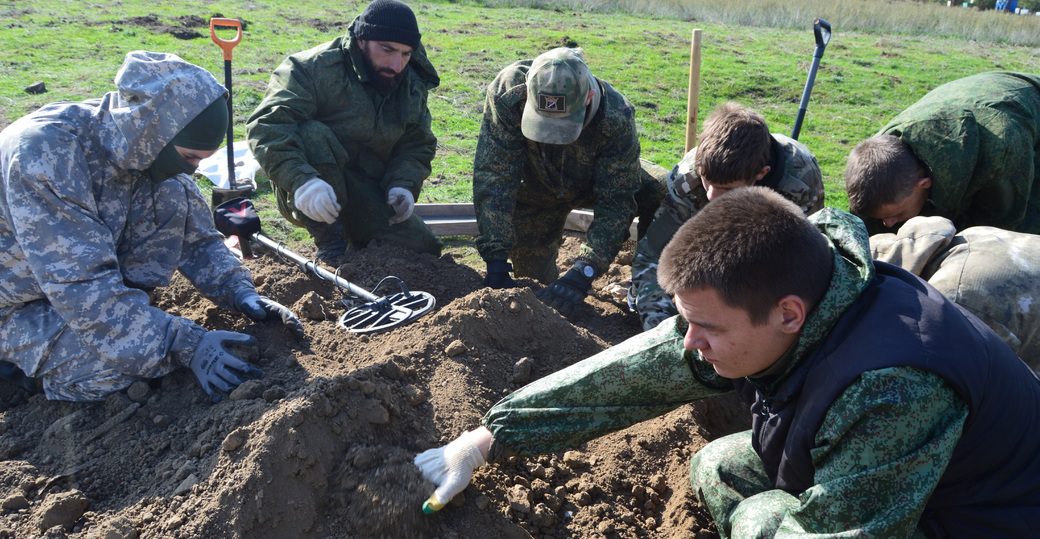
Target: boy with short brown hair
(736, 150)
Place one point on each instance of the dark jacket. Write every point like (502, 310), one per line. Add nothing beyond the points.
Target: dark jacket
(989, 487)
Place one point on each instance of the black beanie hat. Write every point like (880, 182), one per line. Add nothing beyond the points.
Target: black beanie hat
(206, 131)
(388, 20)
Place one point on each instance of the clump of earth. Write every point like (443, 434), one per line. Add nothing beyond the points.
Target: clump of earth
(322, 445)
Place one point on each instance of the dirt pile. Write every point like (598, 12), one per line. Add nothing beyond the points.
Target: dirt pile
(322, 445)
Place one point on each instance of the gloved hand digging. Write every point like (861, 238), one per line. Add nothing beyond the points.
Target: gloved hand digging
(217, 369)
(402, 202)
(260, 308)
(498, 274)
(451, 467)
(568, 292)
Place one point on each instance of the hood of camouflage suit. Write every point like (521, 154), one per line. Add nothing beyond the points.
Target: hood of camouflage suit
(853, 270)
(157, 95)
(915, 244)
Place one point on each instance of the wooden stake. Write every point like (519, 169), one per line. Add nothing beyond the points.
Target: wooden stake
(694, 90)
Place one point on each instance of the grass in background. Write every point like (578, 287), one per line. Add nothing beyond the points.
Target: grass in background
(871, 16)
(864, 79)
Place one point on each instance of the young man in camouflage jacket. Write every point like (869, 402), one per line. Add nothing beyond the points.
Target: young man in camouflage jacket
(555, 138)
(344, 134)
(992, 272)
(880, 408)
(97, 208)
(967, 151)
(735, 150)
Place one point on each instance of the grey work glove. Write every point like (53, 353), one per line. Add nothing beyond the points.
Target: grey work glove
(217, 369)
(261, 308)
(317, 200)
(402, 202)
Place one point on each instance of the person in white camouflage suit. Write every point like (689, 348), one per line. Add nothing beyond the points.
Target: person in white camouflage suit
(97, 208)
(992, 272)
(736, 150)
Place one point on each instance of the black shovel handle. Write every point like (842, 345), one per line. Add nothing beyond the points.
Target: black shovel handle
(227, 45)
(822, 31)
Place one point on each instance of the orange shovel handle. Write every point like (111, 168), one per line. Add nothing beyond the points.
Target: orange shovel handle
(225, 44)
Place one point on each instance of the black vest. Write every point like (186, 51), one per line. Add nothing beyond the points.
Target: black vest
(991, 487)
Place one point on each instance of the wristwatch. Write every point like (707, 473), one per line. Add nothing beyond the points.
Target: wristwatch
(586, 269)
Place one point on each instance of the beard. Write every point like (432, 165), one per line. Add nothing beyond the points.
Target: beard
(384, 80)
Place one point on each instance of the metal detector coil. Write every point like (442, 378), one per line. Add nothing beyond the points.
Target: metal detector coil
(387, 311)
(367, 313)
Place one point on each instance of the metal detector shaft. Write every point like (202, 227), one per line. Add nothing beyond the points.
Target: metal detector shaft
(822, 31)
(315, 269)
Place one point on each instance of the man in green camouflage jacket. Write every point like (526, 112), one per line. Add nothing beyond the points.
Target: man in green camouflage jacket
(994, 273)
(967, 151)
(344, 134)
(555, 138)
(735, 150)
(852, 434)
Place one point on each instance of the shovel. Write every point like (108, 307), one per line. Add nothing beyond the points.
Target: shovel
(367, 313)
(226, 45)
(822, 31)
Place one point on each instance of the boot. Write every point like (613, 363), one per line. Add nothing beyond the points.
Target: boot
(330, 241)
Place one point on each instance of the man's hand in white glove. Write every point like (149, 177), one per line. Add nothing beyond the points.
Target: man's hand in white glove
(403, 203)
(451, 467)
(317, 200)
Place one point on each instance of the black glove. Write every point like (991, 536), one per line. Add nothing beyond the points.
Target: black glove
(261, 308)
(498, 275)
(218, 370)
(569, 291)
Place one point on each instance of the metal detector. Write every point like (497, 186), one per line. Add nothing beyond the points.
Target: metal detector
(366, 312)
(822, 31)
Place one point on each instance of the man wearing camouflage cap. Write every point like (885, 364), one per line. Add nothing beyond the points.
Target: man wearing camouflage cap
(97, 209)
(994, 273)
(736, 150)
(555, 138)
(344, 134)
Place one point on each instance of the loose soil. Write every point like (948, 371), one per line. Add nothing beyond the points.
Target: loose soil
(322, 445)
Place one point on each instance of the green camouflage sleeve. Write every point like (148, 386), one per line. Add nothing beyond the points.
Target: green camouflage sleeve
(679, 205)
(410, 164)
(273, 128)
(880, 452)
(802, 182)
(643, 377)
(497, 169)
(617, 178)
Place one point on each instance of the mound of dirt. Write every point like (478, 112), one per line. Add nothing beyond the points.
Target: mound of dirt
(322, 445)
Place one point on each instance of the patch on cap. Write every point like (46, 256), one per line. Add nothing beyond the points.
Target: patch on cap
(558, 85)
(552, 103)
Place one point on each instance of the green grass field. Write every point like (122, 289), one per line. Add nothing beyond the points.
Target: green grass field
(866, 76)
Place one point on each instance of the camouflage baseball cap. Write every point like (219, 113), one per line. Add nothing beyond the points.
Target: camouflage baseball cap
(557, 86)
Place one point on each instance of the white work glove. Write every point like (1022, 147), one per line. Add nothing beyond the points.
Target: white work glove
(451, 467)
(317, 200)
(403, 203)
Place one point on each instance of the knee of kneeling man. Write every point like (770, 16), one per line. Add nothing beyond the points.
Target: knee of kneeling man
(716, 459)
